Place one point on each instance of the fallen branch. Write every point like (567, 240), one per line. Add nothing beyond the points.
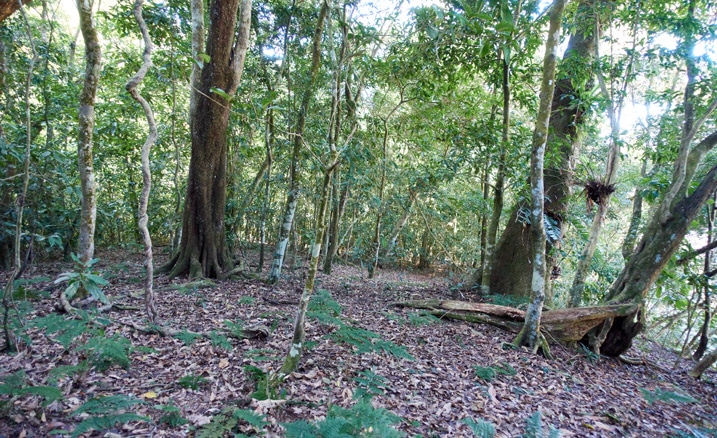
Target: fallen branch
(565, 325)
(258, 331)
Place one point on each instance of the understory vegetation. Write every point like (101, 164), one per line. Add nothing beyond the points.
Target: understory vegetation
(351, 218)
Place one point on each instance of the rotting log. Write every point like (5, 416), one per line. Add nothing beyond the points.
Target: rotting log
(565, 325)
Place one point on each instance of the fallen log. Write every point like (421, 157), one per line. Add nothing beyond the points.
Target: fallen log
(565, 325)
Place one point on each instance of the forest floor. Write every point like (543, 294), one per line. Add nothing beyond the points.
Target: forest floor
(457, 372)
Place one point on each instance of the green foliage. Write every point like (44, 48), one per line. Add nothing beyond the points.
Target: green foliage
(220, 340)
(15, 385)
(422, 318)
(265, 390)
(367, 341)
(105, 412)
(66, 329)
(480, 428)
(360, 420)
(191, 381)
(487, 374)
(236, 328)
(246, 300)
(171, 417)
(229, 419)
(61, 371)
(590, 355)
(666, 396)
(324, 309)
(105, 352)
(369, 384)
(187, 337)
(263, 355)
(83, 279)
(534, 428)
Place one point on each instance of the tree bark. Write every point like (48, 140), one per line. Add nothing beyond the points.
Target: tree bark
(202, 250)
(706, 302)
(146, 173)
(704, 364)
(292, 197)
(8, 7)
(93, 57)
(511, 267)
(530, 334)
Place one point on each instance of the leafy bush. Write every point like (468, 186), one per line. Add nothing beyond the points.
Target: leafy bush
(82, 280)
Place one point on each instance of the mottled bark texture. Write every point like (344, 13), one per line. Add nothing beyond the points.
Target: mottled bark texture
(511, 272)
(292, 197)
(88, 213)
(202, 250)
(8, 7)
(530, 334)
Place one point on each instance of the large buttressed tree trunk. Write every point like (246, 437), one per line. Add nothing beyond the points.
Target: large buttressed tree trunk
(511, 271)
(202, 250)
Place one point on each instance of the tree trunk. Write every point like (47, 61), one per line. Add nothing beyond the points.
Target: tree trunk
(292, 197)
(628, 244)
(202, 250)
(146, 173)
(511, 267)
(88, 212)
(336, 216)
(530, 334)
(704, 364)
(707, 267)
(8, 7)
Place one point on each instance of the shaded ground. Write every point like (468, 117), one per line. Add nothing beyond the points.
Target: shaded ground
(433, 394)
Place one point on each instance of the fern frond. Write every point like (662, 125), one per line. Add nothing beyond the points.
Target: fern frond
(105, 352)
(480, 428)
(107, 404)
(220, 425)
(666, 396)
(65, 329)
(252, 418)
(300, 429)
(534, 426)
(105, 422)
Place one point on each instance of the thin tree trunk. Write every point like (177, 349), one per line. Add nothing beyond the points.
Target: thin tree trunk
(530, 334)
(292, 197)
(269, 141)
(628, 244)
(376, 241)
(20, 202)
(334, 238)
(93, 57)
(146, 173)
(706, 305)
(393, 240)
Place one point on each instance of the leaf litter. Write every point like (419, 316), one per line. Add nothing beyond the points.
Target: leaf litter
(446, 386)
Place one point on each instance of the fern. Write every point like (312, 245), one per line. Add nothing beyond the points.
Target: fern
(255, 420)
(15, 385)
(665, 396)
(422, 318)
(66, 330)
(324, 309)
(487, 374)
(220, 425)
(264, 389)
(362, 419)
(480, 428)
(105, 352)
(187, 337)
(220, 341)
(246, 300)
(534, 428)
(105, 412)
(171, 417)
(104, 422)
(191, 381)
(236, 328)
(367, 341)
(369, 384)
(300, 429)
